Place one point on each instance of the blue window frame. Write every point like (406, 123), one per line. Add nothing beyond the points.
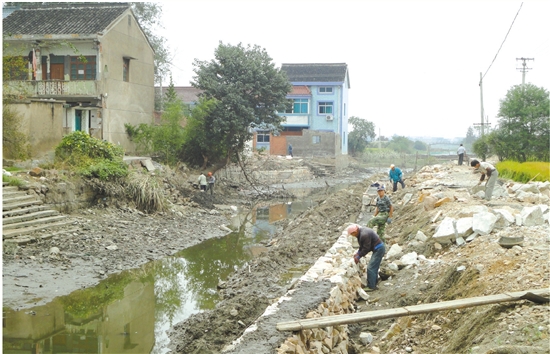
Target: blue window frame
(316, 139)
(299, 105)
(325, 89)
(325, 108)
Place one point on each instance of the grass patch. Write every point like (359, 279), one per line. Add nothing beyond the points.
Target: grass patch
(13, 181)
(12, 169)
(524, 172)
(146, 191)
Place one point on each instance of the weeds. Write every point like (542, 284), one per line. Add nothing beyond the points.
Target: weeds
(146, 191)
(13, 181)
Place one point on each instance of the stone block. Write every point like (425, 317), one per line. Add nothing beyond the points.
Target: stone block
(532, 188)
(532, 216)
(395, 251)
(505, 218)
(410, 258)
(484, 223)
(464, 227)
(420, 236)
(445, 232)
(429, 203)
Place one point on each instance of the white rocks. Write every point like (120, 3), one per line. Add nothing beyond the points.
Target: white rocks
(409, 258)
(420, 236)
(499, 191)
(529, 188)
(365, 338)
(460, 241)
(54, 251)
(483, 223)
(394, 267)
(395, 250)
(363, 294)
(532, 216)
(505, 218)
(445, 232)
(112, 247)
(464, 227)
(471, 210)
(407, 198)
(461, 268)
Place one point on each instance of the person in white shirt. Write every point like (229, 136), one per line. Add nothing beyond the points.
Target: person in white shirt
(486, 168)
(461, 151)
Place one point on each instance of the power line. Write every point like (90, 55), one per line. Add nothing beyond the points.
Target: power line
(503, 41)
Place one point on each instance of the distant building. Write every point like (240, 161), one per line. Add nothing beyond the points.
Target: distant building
(317, 122)
(90, 67)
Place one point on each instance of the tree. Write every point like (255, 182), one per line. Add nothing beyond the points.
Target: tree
(198, 148)
(524, 125)
(419, 145)
(470, 138)
(248, 91)
(363, 131)
(481, 147)
(170, 95)
(401, 144)
(149, 15)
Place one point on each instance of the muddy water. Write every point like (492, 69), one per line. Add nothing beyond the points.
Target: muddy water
(130, 312)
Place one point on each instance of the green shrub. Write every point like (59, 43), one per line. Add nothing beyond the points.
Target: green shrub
(15, 144)
(524, 172)
(105, 169)
(91, 157)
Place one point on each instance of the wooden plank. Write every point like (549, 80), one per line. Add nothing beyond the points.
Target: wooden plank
(406, 311)
(340, 319)
(436, 216)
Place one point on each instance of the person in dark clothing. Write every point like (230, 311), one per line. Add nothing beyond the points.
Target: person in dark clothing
(368, 242)
(290, 150)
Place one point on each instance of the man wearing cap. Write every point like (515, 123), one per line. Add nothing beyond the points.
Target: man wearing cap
(396, 176)
(368, 242)
(383, 212)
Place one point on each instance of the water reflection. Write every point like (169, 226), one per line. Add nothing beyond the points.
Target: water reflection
(130, 312)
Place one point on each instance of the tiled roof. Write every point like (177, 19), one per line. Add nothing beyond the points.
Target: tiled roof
(300, 90)
(316, 72)
(82, 18)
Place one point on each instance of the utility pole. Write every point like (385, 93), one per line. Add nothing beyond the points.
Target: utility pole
(481, 94)
(524, 68)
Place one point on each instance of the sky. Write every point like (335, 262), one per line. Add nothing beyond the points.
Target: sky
(414, 66)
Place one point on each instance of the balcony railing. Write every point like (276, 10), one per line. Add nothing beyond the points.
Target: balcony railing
(297, 120)
(48, 88)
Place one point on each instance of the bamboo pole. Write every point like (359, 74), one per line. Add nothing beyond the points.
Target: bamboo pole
(410, 310)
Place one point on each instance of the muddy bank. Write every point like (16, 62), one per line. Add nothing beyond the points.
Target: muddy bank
(251, 289)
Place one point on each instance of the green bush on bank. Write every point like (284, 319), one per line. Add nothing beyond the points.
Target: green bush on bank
(91, 157)
(524, 171)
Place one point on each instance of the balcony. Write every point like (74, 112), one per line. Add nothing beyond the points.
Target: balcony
(296, 120)
(52, 88)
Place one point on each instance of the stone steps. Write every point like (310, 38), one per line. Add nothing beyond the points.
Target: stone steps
(7, 188)
(25, 219)
(30, 209)
(20, 219)
(30, 230)
(20, 205)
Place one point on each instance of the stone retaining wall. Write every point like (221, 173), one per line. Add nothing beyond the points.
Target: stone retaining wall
(234, 173)
(338, 267)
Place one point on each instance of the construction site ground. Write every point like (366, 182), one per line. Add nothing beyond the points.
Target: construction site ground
(32, 275)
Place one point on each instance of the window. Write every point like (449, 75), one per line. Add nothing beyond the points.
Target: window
(299, 105)
(83, 69)
(325, 89)
(262, 137)
(316, 139)
(126, 70)
(325, 108)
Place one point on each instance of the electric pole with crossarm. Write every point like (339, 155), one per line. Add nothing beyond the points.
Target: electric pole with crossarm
(524, 68)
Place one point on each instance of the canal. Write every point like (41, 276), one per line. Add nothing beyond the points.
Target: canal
(131, 311)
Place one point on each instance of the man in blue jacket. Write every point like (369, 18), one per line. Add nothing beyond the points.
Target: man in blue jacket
(396, 176)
